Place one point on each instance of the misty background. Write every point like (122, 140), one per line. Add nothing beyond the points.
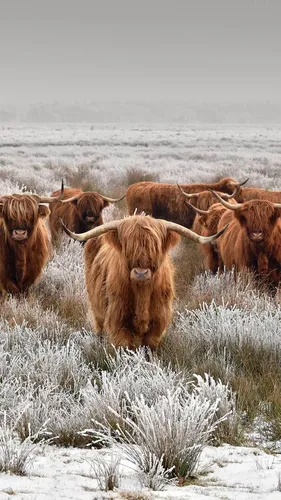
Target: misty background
(159, 60)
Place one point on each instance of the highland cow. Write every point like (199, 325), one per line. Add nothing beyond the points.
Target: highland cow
(130, 277)
(254, 193)
(165, 201)
(24, 240)
(203, 200)
(80, 211)
(253, 238)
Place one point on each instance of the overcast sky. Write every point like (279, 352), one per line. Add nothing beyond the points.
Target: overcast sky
(192, 50)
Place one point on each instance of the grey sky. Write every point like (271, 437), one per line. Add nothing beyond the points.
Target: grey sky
(192, 50)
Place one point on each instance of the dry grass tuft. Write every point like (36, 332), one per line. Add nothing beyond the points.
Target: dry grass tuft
(137, 175)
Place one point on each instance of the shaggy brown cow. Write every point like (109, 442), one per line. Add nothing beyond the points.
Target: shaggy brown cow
(165, 201)
(205, 199)
(79, 210)
(253, 239)
(24, 240)
(254, 193)
(130, 278)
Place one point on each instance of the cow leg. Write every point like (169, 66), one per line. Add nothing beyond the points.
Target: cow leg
(98, 325)
(9, 287)
(262, 264)
(153, 338)
(122, 338)
(212, 260)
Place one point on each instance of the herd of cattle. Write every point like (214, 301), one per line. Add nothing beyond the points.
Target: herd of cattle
(129, 275)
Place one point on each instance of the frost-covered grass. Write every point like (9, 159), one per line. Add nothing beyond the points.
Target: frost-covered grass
(221, 355)
(106, 157)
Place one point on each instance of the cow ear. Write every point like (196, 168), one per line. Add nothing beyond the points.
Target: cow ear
(43, 210)
(105, 204)
(113, 240)
(172, 240)
(74, 202)
(1, 210)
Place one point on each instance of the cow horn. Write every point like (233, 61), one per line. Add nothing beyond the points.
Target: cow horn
(188, 195)
(233, 183)
(50, 199)
(106, 198)
(187, 233)
(198, 210)
(73, 198)
(112, 200)
(236, 191)
(231, 206)
(244, 182)
(277, 205)
(92, 233)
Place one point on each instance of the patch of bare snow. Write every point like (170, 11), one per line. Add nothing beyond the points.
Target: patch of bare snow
(226, 473)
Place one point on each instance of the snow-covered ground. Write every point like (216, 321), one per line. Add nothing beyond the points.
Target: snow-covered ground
(225, 473)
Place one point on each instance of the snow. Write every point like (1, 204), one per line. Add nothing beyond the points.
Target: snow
(225, 472)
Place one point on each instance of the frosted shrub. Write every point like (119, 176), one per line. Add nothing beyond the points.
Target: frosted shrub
(29, 313)
(65, 271)
(174, 430)
(221, 325)
(227, 290)
(15, 457)
(213, 390)
(130, 375)
(152, 473)
(62, 286)
(106, 470)
(27, 358)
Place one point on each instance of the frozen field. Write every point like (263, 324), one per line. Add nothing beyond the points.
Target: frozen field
(46, 342)
(41, 155)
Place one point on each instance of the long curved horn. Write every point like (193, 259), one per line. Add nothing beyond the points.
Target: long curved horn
(106, 198)
(188, 195)
(198, 210)
(244, 182)
(187, 233)
(92, 233)
(240, 183)
(112, 200)
(50, 199)
(73, 198)
(232, 206)
(236, 191)
(276, 205)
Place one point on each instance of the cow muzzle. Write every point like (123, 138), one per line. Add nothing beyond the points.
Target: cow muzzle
(88, 218)
(140, 275)
(257, 236)
(19, 234)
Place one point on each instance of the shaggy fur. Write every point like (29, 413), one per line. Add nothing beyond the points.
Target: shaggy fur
(22, 262)
(132, 312)
(206, 199)
(238, 246)
(75, 213)
(253, 193)
(206, 225)
(165, 201)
